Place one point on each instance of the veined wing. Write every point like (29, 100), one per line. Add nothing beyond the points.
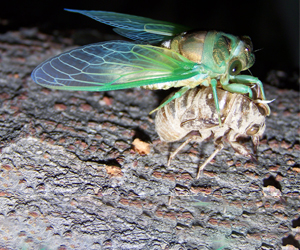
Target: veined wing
(137, 28)
(113, 65)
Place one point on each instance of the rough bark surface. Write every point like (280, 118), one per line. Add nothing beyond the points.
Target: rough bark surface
(71, 180)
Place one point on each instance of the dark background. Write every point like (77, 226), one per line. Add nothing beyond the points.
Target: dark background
(273, 25)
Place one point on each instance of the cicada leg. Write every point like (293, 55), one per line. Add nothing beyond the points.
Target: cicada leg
(176, 95)
(239, 88)
(214, 83)
(243, 89)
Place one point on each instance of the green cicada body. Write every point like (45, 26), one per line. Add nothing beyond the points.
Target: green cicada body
(163, 55)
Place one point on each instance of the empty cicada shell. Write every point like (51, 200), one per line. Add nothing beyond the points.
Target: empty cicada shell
(194, 116)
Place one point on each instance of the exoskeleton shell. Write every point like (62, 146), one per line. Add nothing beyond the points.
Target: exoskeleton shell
(195, 112)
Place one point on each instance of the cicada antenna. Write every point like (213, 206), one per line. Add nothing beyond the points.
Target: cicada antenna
(255, 52)
(258, 50)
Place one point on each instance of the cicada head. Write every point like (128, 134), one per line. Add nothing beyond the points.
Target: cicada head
(242, 56)
(226, 53)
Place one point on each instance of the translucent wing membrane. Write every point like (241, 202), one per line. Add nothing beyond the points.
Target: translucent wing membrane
(134, 27)
(113, 65)
(141, 36)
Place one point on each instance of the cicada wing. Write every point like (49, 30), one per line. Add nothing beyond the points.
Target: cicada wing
(140, 29)
(141, 36)
(113, 65)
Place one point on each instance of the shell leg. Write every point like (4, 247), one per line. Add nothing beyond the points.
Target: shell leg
(187, 141)
(209, 159)
(255, 140)
(239, 148)
(176, 95)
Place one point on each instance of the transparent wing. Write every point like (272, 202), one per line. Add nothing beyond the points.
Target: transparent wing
(113, 65)
(141, 36)
(134, 27)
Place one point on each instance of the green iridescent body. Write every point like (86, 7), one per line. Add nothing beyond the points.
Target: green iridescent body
(164, 55)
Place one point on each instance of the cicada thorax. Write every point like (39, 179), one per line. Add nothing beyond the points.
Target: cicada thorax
(196, 44)
(188, 44)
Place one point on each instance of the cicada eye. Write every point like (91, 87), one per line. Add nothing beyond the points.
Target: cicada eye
(235, 67)
(252, 130)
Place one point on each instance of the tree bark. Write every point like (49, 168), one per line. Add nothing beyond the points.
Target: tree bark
(70, 178)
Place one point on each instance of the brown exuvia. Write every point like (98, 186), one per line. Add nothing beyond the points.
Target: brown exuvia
(194, 116)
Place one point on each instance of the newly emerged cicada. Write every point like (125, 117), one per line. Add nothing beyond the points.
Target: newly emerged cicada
(164, 55)
(194, 116)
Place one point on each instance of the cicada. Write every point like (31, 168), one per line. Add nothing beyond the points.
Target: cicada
(163, 55)
(194, 116)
